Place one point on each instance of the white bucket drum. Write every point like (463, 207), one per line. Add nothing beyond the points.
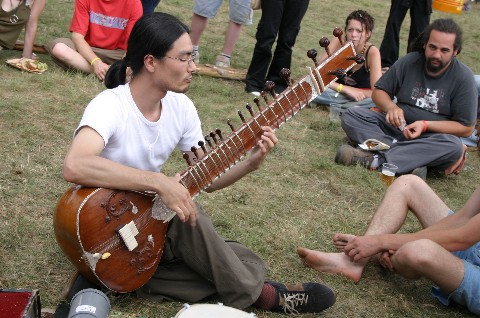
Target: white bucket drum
(211, 311)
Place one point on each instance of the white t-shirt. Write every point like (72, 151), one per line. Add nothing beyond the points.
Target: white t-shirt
(134, 141)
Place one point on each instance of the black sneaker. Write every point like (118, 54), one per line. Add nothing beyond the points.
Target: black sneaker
(302, 298)
(75, 284)
(349, 156)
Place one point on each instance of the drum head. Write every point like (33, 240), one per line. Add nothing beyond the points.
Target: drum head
(212, 311)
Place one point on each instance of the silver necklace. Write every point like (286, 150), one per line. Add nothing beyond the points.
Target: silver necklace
(14, 17)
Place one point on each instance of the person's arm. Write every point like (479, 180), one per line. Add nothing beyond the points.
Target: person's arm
(455, 232)
(31, 28)
(97, 65)
(415, 129)
(83, 165)
(394, 114)
(251, 163)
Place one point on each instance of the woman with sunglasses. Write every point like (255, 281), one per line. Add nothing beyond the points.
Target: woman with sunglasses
(356, 88)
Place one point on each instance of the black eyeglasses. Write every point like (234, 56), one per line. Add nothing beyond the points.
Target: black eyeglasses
(189, 61)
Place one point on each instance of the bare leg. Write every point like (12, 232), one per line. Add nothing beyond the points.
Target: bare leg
(71, 57)
(425, 258)
(198, 25)
(231, 38)
(407, 193)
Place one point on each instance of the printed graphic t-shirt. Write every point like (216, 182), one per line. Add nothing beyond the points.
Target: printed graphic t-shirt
(106, 24)
(450, 96)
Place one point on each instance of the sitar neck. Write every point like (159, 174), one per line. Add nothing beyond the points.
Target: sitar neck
(225, 152)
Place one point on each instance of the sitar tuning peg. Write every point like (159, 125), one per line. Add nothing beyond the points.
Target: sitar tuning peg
(194, 150)
(312, 54)
(360, 59)
(209, 142)
(285, 74)
(265, 97)
(241, 116)
(229, 123)
(214, 138)
(187, 159)
(256, 100)
(219, 134)
(339, 73)
(338, 33)
(202, 145)
(325, 42)
(249, 108)
(270, 87)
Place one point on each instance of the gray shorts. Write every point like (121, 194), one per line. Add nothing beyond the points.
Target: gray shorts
(468, 293)
(240, 11)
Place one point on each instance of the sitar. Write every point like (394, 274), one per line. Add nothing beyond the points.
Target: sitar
(116, 238)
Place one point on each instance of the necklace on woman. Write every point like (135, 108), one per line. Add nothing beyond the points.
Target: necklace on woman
(363, 50)
(14, 17)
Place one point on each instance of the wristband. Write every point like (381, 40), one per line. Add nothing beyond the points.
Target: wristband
(424, 125)
(94, 60)
(339, 88)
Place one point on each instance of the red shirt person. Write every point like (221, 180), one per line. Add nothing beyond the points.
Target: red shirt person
(100, 31)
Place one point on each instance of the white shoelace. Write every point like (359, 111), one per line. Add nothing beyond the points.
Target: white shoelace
(294, 300)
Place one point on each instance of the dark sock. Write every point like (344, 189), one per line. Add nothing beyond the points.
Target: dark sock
(267, 298)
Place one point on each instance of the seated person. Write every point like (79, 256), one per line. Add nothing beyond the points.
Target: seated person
(436, 105)
(16, 15)
(445, 251)
(125, 136)
(100, 32)
(355, 89)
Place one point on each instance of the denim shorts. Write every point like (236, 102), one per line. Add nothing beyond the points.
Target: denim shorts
(468, 293)
(239, 11)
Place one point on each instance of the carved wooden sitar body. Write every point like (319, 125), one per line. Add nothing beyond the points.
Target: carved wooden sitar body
(116, 237)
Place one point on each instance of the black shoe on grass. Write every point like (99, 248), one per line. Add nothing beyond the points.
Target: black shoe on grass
(302, 298)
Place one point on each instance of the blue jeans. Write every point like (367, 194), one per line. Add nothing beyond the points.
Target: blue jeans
(328, 98)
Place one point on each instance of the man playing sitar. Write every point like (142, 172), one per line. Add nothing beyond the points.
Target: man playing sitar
(126, 134)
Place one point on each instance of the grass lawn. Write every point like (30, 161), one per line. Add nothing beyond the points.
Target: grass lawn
(300, 197)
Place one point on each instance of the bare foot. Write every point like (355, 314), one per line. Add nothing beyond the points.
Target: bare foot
(340, 240)
(333, 263)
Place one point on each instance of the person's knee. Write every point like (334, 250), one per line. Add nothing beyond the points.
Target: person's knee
(454, 144)
(61, 51)
(409, 181)
(414, 257)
